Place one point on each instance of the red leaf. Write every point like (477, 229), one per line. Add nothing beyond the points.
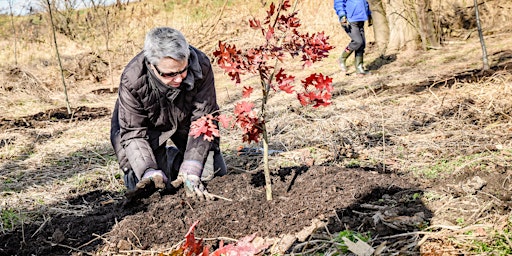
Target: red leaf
(204, 126)
(269, 34)
(247, 91)
(244, 247)
(224, 120)
(255, 24)
(320, 94)
(191, 246)
(286, 5)
(243, 107)
(284, 81)
(288, 88)
(271, 10)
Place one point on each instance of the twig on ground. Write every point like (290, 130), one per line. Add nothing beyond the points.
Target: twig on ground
(219, 238)
(138, 240)
(477, 214)
(94, 239)
(103, 239)
(68, 247)
(374, 207)
(221, 197)
(190, 206)
(175, 246)
(402, 235)
(41, 227)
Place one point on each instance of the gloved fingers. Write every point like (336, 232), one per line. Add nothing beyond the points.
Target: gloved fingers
(159, 181)
(143, 183)
(201, 192)
(207, 195)
(177, 182)
(190, 193)
(156, 176)
(195, 189)
(190, 187)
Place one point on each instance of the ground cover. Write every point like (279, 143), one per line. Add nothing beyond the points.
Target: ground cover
(416, 157)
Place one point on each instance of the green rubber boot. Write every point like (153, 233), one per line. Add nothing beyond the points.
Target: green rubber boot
(359, 66)
(343, 59)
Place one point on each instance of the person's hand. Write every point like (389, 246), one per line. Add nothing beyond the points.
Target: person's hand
(343, 21)
(152, 176)
(193, 186)
(189, 175)
(370, 21)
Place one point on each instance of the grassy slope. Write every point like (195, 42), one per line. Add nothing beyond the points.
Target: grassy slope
(72, 158)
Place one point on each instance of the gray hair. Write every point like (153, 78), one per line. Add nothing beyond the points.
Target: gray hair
(164, 42)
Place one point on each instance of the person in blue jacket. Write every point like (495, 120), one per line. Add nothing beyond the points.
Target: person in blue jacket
(352, 14)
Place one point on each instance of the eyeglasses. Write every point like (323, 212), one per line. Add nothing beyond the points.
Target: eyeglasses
(171, 74)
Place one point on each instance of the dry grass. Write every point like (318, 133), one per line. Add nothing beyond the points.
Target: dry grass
(373, 121)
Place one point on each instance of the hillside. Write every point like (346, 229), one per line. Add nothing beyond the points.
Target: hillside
(415, 157)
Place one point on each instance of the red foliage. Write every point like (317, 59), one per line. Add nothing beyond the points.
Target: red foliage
(193, 247)
(320, 94)
(244, 247)
(247, 91)
(204, 126)
(248, 121)
(279, 28)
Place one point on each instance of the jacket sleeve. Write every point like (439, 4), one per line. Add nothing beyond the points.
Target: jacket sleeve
(368, 11)
(340, 7)
(133, 123)
(204, 103)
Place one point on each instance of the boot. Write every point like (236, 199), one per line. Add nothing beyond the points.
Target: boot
(359, 66)
(343, 59)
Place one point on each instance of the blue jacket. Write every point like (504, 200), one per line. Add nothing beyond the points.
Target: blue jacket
(354, 10)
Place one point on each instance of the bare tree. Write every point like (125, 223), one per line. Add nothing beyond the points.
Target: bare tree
(480, 34)
(381, 25)
(13, 32)
(49, 5)
(400, 24)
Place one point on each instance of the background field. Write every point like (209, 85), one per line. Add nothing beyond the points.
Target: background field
(416, 156)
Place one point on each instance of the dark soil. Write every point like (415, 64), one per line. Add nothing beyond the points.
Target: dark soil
(381, 203)
(42, 119)
(300, 195)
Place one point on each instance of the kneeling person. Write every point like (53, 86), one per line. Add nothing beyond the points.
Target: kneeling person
(162, 90)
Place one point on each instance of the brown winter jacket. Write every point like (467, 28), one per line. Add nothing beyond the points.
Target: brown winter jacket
(149, 112)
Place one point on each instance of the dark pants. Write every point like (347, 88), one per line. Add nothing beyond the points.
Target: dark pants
(355, 31)
(168, 158)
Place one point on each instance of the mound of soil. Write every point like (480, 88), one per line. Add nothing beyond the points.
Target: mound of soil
(300, 195)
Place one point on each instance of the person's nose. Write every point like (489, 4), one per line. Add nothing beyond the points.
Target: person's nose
(178, 79)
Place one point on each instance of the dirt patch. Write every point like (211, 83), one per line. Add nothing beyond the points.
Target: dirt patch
(301, 194)
(386, 206)
(42, 119)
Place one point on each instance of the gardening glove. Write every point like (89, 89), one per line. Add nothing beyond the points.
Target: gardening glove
(370, 21)
(344, 21)
(152, 176)
(189, 176)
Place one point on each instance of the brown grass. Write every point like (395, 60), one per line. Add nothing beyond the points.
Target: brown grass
(379, 120)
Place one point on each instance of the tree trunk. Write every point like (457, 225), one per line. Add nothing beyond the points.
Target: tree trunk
(380, 25)
(427, 30)
(485, 60)
(401, 24)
